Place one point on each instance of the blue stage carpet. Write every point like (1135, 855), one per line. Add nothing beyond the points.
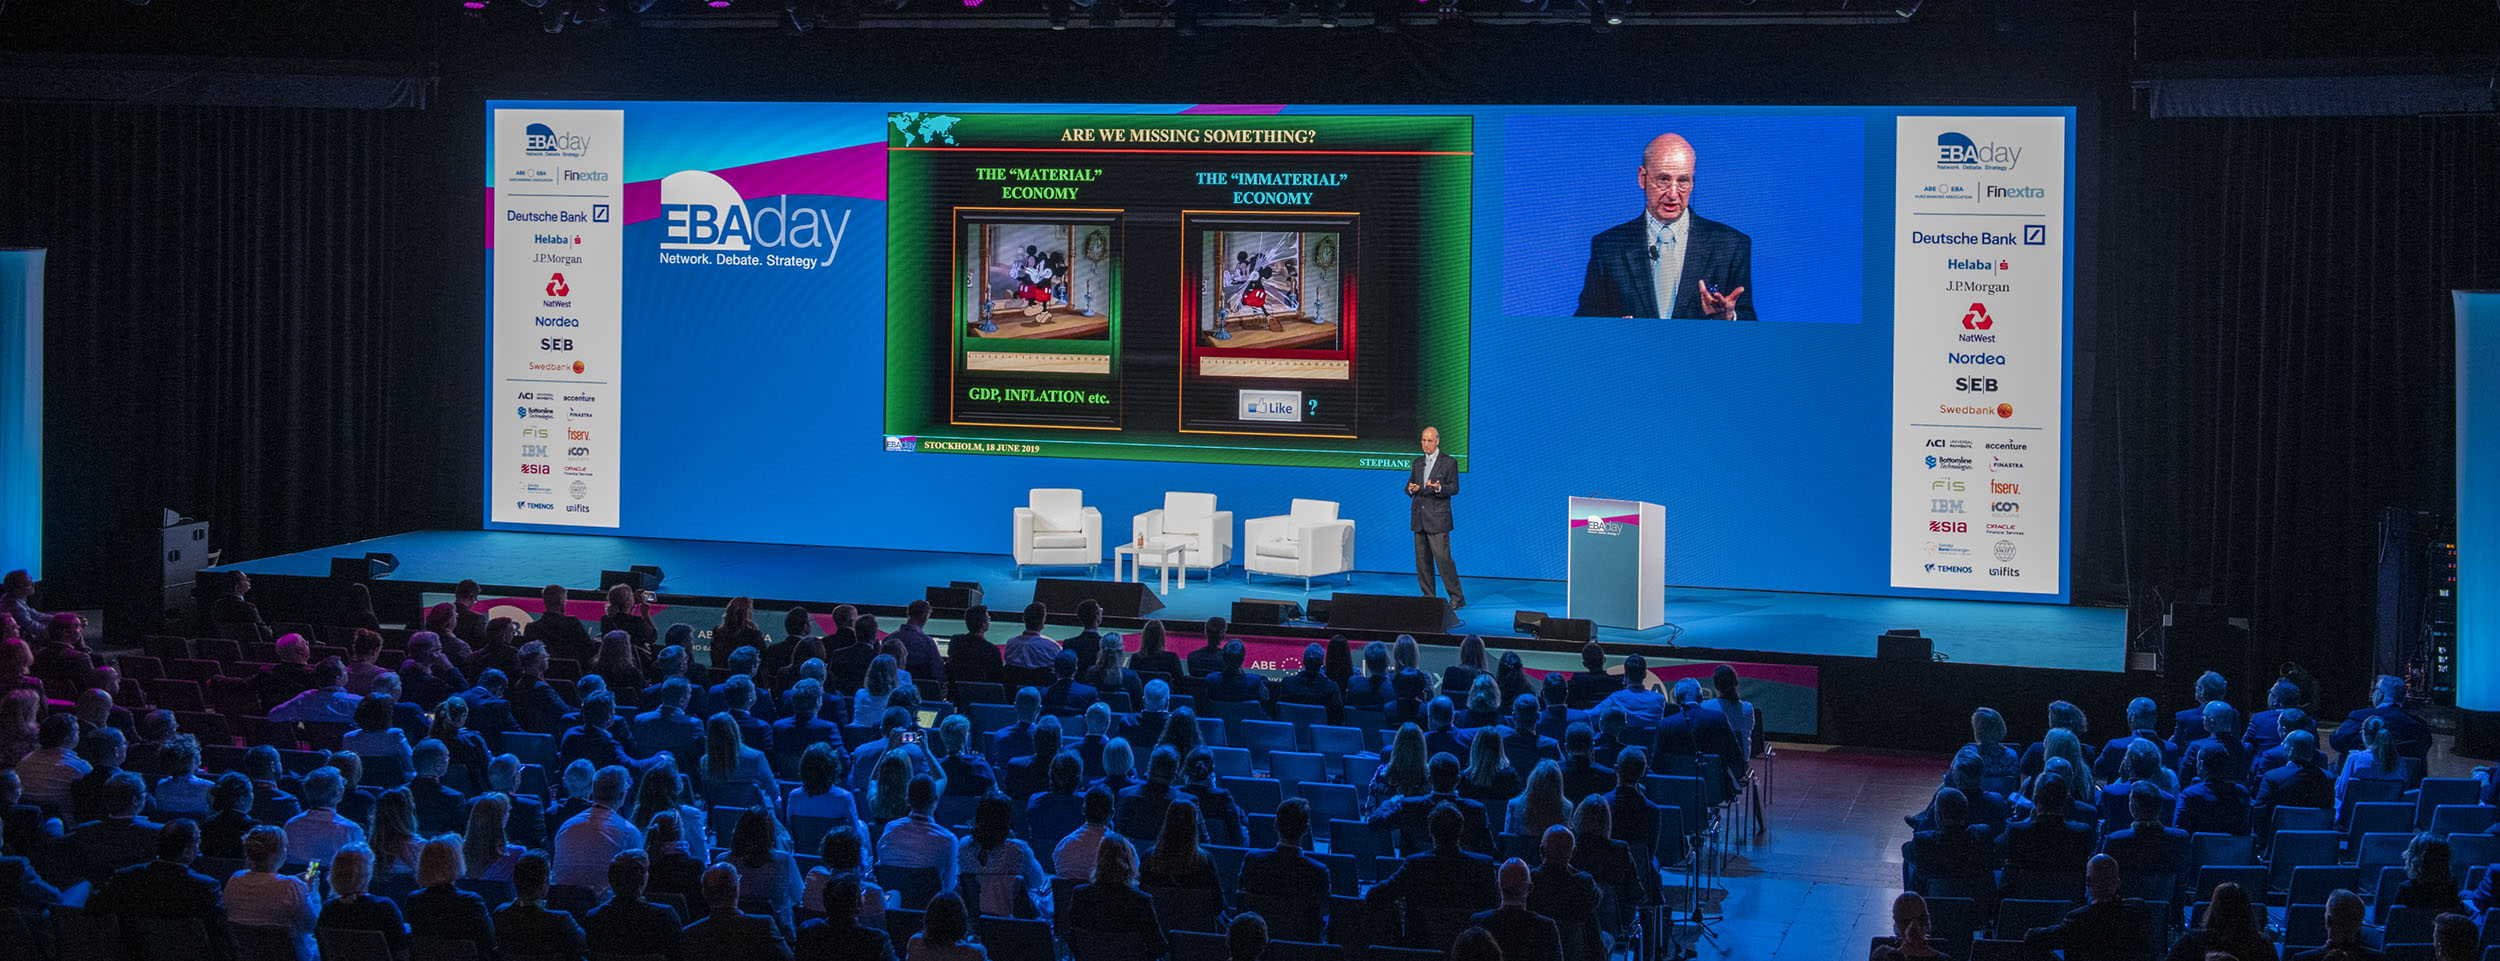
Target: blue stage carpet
(1970, 632)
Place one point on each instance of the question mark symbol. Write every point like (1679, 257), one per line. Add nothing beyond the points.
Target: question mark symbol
(1314, 407)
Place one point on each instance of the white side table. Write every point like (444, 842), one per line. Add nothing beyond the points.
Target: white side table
(1135, 553)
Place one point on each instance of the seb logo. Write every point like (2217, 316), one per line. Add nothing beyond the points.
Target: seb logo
(700, 211)
(555, 343)
(2004, 487)
(1981, 385)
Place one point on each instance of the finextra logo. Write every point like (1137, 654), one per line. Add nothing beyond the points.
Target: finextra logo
(700, 211)
(1956, 151)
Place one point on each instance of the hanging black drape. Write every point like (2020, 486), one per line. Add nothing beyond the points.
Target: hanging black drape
(2279, 354)
(229, 326)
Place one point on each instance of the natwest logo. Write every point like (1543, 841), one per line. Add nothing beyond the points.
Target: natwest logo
(1976, 318)
(556, 287)
(700, 211)
(2005, 487)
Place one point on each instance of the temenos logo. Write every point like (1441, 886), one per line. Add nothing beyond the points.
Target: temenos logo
(1955, 151)
(540, 140)
(700, 211)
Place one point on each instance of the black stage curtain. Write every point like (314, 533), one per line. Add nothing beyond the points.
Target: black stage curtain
(2279, 351)
(230, 328)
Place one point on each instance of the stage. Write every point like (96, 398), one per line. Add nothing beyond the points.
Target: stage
(1815, 647)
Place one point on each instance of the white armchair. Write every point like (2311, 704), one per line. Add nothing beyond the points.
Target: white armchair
(1191, 520)
(1057, 530)
(1309, 542)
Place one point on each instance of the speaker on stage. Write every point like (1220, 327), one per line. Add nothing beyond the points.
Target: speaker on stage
(956, 596)
(1405, 613)
(1904, 644)
(1254, 610)
(1118, 598)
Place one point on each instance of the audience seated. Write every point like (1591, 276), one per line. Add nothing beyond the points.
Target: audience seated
(2216, 803)
(2413, 738)
(1523, 934)
(2147, 846)
(354, 907)
(2301, 783)
(1448, 877)
(1110, 903)
(165, 888)
(2107, 927)
(2345, 915)
(725, 931)
(2234, 925)
(259, 896)
(527, 927)
(838, 935)
(627, 923)
(2050, 842)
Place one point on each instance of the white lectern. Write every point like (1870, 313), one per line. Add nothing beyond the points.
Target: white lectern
(1618, 572)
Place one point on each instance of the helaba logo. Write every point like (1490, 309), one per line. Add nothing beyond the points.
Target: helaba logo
(558, 240)
(1940, 505)
(1984, 360)
(1955, 151)
(1948, 568)
(540, 140)
(2005, 487)
(1979, 264)
(700, 211)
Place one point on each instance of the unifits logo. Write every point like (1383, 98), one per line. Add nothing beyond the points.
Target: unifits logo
(1985, 360)
(1955, 151)
(2005, 572)
(700, 211)
(540, 140)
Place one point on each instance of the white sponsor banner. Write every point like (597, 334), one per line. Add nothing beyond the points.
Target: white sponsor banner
(1979, 363)
(558, 348)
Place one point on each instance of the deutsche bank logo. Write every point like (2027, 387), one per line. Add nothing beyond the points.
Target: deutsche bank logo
(2035, 235)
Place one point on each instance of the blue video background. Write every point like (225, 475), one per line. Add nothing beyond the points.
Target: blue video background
(754, 409)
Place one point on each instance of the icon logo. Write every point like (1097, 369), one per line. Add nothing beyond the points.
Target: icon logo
(556, 287)
(2006, 508)
(1976, 318)
(2004, 551)
(2035, 235)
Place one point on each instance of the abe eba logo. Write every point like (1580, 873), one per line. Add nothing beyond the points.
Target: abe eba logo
(1976, 318)
(556, 287)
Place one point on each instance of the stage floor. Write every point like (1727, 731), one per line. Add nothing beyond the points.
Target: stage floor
(1969, 632)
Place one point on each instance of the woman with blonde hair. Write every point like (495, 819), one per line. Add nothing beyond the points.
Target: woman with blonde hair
(1542, 805)
(19, 711)
(394, 835)
(737, 629)
(1406, 770)
(487, 845)
(440, 909)
(352, 907)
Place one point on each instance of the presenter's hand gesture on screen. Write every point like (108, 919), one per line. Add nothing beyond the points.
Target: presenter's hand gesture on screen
(1411, 488)
(1715, 305)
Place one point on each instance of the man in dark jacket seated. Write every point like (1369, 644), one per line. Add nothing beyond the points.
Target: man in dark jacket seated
(2142, 716)
(526, 926)
(1066, 693)
(1592, 683)
(629, 924)
(728, 932)
(2302, 783)
(1411, 816)
(1448, 881)
(1310, 686)
(2387, 694)
(838, 936)
(1230, 683)
(1568, 895)
(2108, 928)
(2344, 915)
(1285, 871)
(166, 889)
(1690, 728)
(1523, 934)
(1954, 850)
(2049, 843)
(2148, 847)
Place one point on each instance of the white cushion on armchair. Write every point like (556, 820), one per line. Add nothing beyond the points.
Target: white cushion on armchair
(1308, 542)
(1189, 520)
(1058, 530)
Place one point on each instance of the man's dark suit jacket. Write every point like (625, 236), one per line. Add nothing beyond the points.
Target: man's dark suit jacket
(367, 913)
(1693, 729)
(740, 935)
(564, 636)
(438, 806)
(2101, 931)
(233, 609)
(221, 836)
(1950, 854)
(1622, 280)
(2050, 845)
(1312, 687)
(1562, 891)
(1068, 696)
(2107, 765)
(444, 911)
(2142, 851)
(2188, 726)
(632, 927)
(1448, 878)
(103, 847)
(1428, 510)
(971, 657)
(1411, 817)
(1113, 909)
(532, 929)
(843, 939)
(166, 891)
(2354, 950)
(2413, 738)
(1523, 934)
(2292, 785)
(1283, 873)
(1137, 810)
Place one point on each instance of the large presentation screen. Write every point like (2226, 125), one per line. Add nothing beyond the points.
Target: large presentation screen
(1834, 342)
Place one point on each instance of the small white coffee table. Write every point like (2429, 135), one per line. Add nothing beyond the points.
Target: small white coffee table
(1135, 553)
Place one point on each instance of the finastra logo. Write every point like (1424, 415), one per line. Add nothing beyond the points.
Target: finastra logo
(700, 211)
(1956, 151)
(540, 140)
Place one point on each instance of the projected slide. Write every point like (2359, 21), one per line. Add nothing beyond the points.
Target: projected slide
(1108, 286)
(1834, 343)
